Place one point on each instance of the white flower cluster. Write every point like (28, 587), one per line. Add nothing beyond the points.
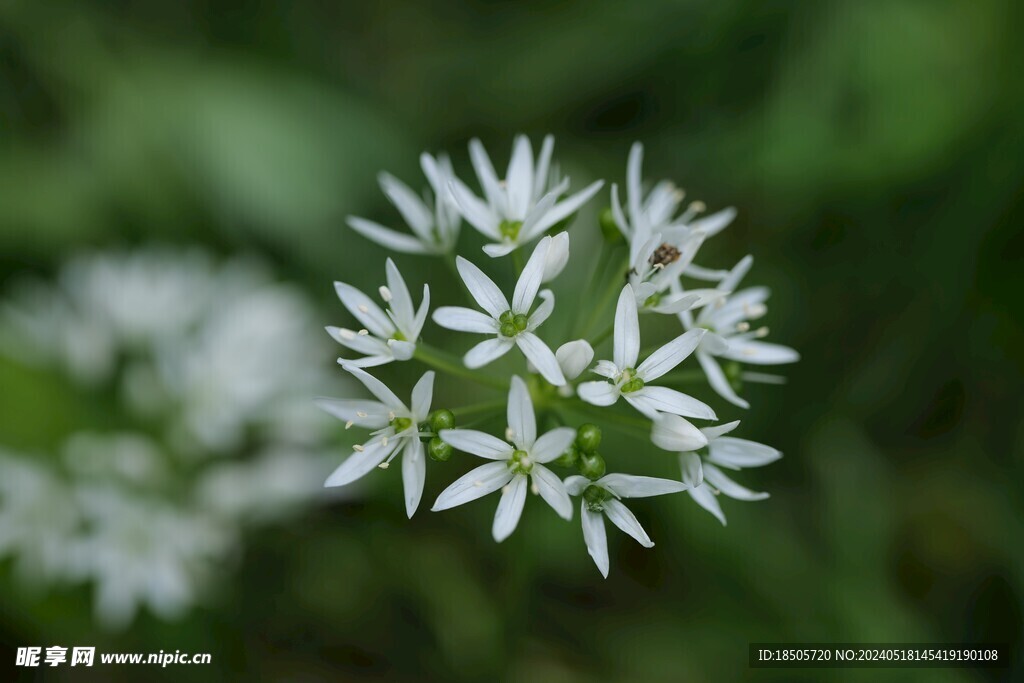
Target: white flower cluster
(202, 370)
(648, 251)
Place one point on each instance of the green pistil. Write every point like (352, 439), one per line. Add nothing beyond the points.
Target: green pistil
(398, 336)
(631, 382)
(510, 229)
(653, 300)
(520, 322)
(512, 323)
(594, 498)
(521, 462)
(401, 424)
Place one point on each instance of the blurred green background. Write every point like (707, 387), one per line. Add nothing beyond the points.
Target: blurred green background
(873, 150)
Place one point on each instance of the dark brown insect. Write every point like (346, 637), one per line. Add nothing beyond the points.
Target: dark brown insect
(664, 255)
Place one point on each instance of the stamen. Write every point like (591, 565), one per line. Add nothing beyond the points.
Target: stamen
(478, 483)
(385, 294)
(358, 449)
(391, 415)
(360, 413)
(384, 441)
(534, 489)
(363, 332)
(346, 334)
(761, 333)
(505, 489)
(742, 327)
(363, 308)
(510, 434)
(384, 465)
(348, 425)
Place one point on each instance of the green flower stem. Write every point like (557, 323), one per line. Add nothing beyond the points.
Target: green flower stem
(449, 260)
(634, 425)
(600, 265)
(613, 286)
(439, 360)
(596, 341)
(682, 377)
(517, 261)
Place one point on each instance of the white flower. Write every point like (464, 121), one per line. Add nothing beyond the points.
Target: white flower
(656, 213)
(557, 258)
(675, 433)
(523, 206)
(396, 428)
(511, 325)
(574, 357)
(513, 465)
(601, 497)
(730, 335)
(630, 381)
(656, 269)
(386, 336)
(707, 480)
(434, 223)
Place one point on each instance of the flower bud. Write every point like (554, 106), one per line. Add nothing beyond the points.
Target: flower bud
(568, 458)
(442, 419)
(591, 465)
(439, 450)
(574, 357)
(588, 438)
(557, 256)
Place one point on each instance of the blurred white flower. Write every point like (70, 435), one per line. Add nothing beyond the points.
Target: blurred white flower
(601, 498)
(730, 335)
(515, 463)
(434, 220)
(524, 205)
(511, 325)
(386, 336)
(630, 381)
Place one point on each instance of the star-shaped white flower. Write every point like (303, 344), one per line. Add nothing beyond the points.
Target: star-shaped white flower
(386, 336)
(513, 464)
(601, 499)
(730, 335)
(657, 212)
(396, 429)
(630, 381)
(511, 325)
(523, 206)
(656, 269)
(434, 222)
(702, 472)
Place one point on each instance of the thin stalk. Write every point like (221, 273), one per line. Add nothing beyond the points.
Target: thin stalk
(601, 337)
(682, 377)
(439, 360)
(477, 408)
(517, 261)
(627, 422)
(600, 265)
(613, 286)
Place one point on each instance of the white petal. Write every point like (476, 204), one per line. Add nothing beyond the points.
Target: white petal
(363, 343)
(465, 320)
(718, 381)
(366, 414)
(365, 310)
(738, 453)
(674, 433)
(706, 274)
(621, 517)
(519, 177)
(540, 177)
(533, 225)
(387, 238)
(401, 350)
(557, 257)
(633, 164)
(500, 249)
(413, 474)
(542, 312)
(487, 351)
(521, 419)
(510, 508)
(713, 224)
(718, 479)
(690, 299)
(478, 443)
(595, 538)
(720, 430)
(476, 213)
(631, 486)
(714, 343)
(693, 471)
(574, 357)
(418, 216)
(760, 353)
(482, 288)
(378, 389)
(530, 279)
(670, 355)
(576, 484)
(368, 361)
(538, 353)
(606, 368)
(422, 394)
(627, 330)
(731, 281)
(486, 175)
(476, 483)
(567, 207)
(401, 301)
(360, 463)
(552, 490)
(620, 218)
(708, 500)
(598, 393)
(665, 400)
(421, 314)
(552, 444)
